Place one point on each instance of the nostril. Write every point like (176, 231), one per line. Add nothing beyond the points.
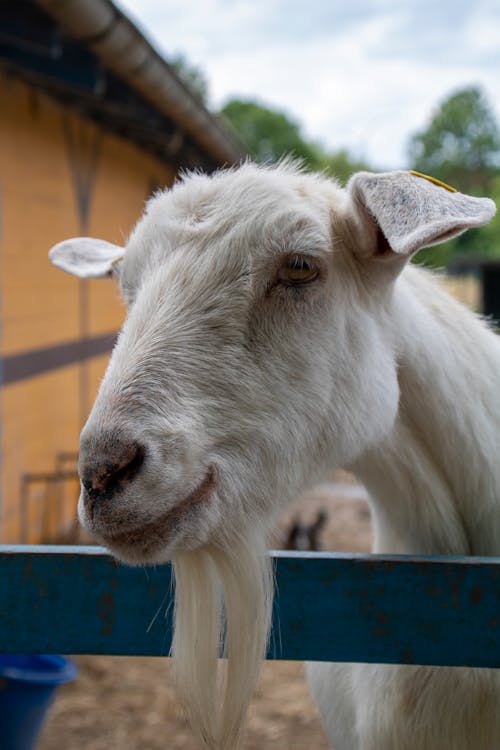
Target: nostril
(103, 477)
(128, 469)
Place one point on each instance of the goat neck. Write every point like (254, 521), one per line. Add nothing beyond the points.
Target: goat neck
(434, 480)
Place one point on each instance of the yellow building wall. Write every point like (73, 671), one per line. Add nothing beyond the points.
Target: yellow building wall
(60, 176)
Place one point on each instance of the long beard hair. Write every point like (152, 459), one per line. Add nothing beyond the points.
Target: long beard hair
(223, 605)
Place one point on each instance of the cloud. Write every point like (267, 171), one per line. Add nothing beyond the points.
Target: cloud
(362, 75)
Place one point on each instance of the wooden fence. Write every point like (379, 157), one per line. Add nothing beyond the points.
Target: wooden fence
(329, 607)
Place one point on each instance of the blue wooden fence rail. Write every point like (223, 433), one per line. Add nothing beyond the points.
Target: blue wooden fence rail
(335, 607)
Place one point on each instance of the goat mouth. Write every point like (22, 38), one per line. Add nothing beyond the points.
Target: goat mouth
(154, 533)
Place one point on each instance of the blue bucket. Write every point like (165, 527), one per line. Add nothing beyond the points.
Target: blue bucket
(27, 686)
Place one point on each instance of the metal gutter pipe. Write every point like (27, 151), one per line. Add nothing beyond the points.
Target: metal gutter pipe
(122, 48)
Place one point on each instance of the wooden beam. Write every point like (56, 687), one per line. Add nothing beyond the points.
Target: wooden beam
(366, 608)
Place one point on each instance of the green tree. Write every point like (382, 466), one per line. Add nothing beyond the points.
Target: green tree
(490, 234)
(269, 134)
(461, 146)
(341, 164)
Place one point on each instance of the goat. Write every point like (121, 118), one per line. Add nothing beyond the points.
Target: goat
(306, 536)
(275, 330)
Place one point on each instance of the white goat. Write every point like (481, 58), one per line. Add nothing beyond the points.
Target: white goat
(274, 331)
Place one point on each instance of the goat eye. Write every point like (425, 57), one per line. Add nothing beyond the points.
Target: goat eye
(297, 269)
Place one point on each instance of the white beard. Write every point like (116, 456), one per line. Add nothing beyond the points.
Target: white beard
(223, 604)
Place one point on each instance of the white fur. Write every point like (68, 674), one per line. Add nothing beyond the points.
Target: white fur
(435, 489)
(222, 371)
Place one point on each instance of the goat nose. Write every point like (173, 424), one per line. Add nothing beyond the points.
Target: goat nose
(106, 472)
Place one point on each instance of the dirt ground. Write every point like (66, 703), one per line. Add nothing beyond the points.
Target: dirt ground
(127, 703)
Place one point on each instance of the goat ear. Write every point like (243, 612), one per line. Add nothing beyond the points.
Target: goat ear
(399, 213)
(86, 257)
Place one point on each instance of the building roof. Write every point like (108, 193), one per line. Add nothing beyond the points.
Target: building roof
(89, 54)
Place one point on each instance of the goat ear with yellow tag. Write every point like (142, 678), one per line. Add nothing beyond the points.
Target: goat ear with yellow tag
(86, 257)
(395, 214)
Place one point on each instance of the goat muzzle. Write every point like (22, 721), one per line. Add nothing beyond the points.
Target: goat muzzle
(106, 471)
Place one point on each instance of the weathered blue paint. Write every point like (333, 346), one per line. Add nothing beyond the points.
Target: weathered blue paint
(367, 608)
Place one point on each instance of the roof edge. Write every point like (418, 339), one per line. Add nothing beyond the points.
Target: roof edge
(121, 47)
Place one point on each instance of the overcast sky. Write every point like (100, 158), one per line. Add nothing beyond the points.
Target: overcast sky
(356, 74)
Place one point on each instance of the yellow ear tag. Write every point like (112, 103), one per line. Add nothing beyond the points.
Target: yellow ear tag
(117, 259)
(434, 180)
